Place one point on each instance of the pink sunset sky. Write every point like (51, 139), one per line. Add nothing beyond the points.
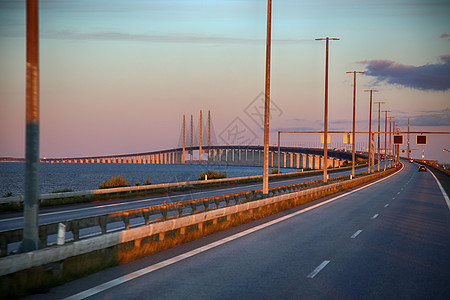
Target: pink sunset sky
(116, 77)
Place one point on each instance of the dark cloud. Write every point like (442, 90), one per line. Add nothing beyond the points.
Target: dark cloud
(432, 118)
(427, 118)
(434, 77)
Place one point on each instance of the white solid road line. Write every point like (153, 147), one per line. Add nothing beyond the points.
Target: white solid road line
(442, 191)
(318, 269)
(115, 282)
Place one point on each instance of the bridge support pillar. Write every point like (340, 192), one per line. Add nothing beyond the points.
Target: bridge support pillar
(223, 157)
(229, 158)
(309, 161)
(317, 162)
(236, 157)
(271, 164)
(250, 157)
(243, 158)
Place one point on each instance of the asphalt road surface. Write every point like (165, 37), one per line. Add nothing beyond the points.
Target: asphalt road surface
(387, 240)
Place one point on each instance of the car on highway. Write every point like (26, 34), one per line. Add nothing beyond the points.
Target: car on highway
(422, 168)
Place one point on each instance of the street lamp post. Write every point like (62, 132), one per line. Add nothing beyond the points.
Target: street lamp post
(325, 125)
(354, 117)
(385, 138)
(378, 145)
(30, 240)
(408, 148)
(267, 102)
(370, 166)
(390, 141)
(279, 152)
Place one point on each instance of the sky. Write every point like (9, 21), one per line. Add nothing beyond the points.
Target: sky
(117, 76)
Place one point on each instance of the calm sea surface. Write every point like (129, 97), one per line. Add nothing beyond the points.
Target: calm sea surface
(80, 177)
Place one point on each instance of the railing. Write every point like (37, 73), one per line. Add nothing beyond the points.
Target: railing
(97, 225)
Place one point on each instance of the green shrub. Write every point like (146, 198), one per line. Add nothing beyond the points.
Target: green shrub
(9, 194)
(212, 175)
(118, 181)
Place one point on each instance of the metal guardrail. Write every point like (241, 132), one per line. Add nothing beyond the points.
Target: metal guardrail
(153, 214)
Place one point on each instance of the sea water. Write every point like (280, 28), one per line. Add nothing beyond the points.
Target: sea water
(80, 177)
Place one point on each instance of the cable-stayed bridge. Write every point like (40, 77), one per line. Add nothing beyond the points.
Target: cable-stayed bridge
(192, 150)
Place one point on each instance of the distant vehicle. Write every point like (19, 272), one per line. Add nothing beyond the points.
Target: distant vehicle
(411, 160)
(422, 169)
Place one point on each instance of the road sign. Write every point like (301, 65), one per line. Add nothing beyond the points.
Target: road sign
(322, 137)
(348, 139)
(421, 139)
(398, 139)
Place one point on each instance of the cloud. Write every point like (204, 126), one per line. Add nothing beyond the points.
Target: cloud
(444, 35)
(426, 118)
(435, 77)
(160, 38)
(432, 118)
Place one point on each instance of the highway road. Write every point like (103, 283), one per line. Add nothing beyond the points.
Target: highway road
(387, 240)
(64, 213)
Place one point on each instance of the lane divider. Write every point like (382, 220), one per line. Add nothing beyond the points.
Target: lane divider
(356, 234)
(318, 269)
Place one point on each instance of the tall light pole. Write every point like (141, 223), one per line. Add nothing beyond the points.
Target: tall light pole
(390, 141)
(443, 157)
(279, 151)
(325, 121)
(267, 102)
(408, 146)
(354, 121)
(378, 145)
(30, 240)
(385, 138)
(370, 167)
